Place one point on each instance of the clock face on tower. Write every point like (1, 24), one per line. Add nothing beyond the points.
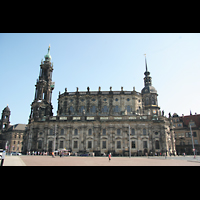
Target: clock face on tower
(154, 111)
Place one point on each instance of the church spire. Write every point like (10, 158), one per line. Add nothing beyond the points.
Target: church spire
(48, 56)
(145, 62)
(41, 106)
(147, 78)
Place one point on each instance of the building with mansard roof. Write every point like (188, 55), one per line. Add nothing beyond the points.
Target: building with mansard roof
(98, 121)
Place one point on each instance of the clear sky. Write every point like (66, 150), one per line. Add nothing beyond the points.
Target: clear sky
(101, 59)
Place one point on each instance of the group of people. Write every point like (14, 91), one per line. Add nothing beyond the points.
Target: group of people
(61, 154)
(35, 153)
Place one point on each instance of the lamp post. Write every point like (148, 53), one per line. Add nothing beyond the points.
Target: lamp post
(192, 141)
(54, 146)
(129, 141)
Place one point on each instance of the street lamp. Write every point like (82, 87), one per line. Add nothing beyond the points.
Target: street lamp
(192, 141)
(129, 141)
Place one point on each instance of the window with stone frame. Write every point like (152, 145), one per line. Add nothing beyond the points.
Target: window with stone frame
(90, 131)
(62, 132)
(118, 131)
(144, 144)
(75, 144)
(157, 144)
(104, 131)
(132, 131)
(61, 144)
(40, 144)
(144, 131)
(133, 144)
(118, 144)
(103, 144)
(75, 131)
(89, 144)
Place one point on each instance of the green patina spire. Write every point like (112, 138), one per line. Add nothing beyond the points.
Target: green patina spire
(48, 56)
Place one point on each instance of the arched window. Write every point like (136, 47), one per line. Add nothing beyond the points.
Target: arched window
(144, 131)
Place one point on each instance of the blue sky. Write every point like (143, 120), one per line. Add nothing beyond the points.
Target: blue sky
(101, 59)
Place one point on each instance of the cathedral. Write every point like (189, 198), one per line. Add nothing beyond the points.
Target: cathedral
(98, 122)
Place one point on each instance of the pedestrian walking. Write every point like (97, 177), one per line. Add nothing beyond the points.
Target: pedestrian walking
(52, 154)
(109, 157)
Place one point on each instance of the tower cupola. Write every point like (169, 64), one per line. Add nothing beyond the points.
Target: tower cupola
(48, 56)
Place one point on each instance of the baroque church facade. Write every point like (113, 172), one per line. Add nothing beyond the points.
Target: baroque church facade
(98, 121)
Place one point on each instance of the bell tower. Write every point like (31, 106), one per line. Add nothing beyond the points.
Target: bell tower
(5, 118)
(149, 94)
(41, 106)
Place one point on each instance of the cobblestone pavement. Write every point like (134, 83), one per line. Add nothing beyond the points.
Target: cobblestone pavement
(103, 161)
(13, 161)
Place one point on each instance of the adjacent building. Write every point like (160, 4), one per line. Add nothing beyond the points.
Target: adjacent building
(183, 134)
(11, 136)
(98, 121)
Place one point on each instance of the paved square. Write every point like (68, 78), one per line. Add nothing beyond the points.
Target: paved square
(99, 161)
